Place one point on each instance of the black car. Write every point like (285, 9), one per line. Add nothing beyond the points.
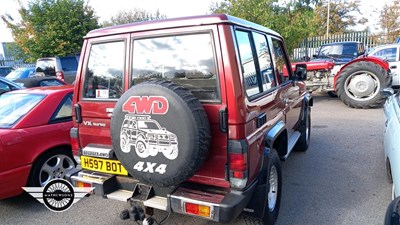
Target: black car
(39, 82)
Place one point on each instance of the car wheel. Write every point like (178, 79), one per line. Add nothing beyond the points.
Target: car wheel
(51, 165)
(305, 130)
(274, 192)
(141, 149)
(125, 146)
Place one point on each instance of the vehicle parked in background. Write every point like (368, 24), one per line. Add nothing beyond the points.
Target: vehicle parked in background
(39, 82)
(198, 123)
(341, 70)
(391, 54)
(20, 73)
(34, 137)
(63, 68)
(4, 70)
(7, 85)
(339, 53)
(391, 141)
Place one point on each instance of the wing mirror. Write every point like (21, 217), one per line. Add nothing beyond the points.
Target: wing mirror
(301, 71)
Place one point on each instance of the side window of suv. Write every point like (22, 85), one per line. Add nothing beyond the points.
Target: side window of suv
(256, 62)
(247, 63)
(280, 59)
(104, 72)
(186, 59)
(265, 61)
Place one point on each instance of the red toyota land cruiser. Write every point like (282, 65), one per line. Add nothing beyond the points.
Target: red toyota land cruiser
(189, 115)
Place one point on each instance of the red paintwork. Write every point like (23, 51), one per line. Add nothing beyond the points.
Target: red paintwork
(376, 60)
(29, 138)
(242, 114)
(312, 66)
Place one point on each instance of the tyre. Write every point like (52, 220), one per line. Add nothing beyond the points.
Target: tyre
(141, 148)
(173, 132)
(305, 130)
(50, 165)
(359, 84)
(125, 146)
(274, 193)
(332, 94)
(392, 216)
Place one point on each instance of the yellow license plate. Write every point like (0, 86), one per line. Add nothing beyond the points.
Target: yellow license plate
(103, 165)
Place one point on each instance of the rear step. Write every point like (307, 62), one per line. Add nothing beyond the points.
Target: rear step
(120, 195)
(98, 181)
(157, 202)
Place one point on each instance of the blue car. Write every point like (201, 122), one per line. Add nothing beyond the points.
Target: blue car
(391, 141)
(21, 73)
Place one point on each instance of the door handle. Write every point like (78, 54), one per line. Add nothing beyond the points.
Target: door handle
(393, 67)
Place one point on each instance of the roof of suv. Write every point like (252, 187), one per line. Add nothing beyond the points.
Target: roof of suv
(178, 22)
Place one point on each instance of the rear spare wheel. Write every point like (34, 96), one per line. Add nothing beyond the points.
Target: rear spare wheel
(164, 131)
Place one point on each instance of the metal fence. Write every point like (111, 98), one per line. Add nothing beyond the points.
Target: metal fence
(16, 63)
(309, 46)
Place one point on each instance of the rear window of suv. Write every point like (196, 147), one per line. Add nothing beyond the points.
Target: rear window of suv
(187, 60)
(46, 66)
(69, 63)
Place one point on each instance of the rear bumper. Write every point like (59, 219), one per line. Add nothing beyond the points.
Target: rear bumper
(12, 181)
(225, 205)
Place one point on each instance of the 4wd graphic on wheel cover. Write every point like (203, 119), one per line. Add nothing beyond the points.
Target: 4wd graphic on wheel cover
(147, 137)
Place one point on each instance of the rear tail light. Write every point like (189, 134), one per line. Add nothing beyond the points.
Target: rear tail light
(75, 143)
(83, 184)
(60, 75)
(197, 209)
(238, 169)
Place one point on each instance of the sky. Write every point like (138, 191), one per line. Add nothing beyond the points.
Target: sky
(171, 8)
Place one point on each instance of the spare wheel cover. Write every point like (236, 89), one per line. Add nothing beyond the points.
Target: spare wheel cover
(160, 133)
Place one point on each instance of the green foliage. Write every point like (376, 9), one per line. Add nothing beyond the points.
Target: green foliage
(133, 15)
(293, 19)
(389, 19)
(342, 15)
(52, 27)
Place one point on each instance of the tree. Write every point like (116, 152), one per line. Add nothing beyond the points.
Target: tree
(292, 19)
(342, 15)
(51, 27)
(389, 20)
(133, 15)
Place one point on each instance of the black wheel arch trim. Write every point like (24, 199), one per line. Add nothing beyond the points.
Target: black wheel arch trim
(274, 133)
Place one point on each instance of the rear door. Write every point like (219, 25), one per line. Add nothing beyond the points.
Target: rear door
(189, 57)
(103, 69)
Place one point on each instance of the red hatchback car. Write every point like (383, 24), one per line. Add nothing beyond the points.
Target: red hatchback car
(34, 137)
